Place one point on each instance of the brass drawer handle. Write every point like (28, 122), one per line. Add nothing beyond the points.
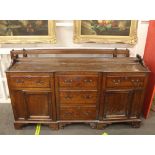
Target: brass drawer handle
(68, 97)
(87, 96)
(68, 81)
(137, 80)
(19, 81)
(116, 81)
(88, 80)
(40, 82)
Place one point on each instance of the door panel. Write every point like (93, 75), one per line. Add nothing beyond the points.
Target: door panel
(117, 104)
(38, 105)
(18, 106)
(137, 103)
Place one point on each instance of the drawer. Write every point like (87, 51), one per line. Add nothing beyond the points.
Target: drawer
(78, 113)
(78, 97)
(125, 81)
(30, 81)
(78, 81)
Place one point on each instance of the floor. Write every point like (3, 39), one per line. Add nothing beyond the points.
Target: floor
(7, 128)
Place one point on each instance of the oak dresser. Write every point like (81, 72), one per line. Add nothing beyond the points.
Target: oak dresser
(56, 91)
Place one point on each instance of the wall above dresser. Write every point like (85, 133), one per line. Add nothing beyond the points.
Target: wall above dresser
(64, 33)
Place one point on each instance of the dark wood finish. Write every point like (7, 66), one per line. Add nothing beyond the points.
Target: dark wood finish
(25, 82)
(78, 113)
(60, 91)
(38, 104)
(18, 125)
(78, 97)
(125, 81)
(117, 104)
(113, 52)
(78, 81)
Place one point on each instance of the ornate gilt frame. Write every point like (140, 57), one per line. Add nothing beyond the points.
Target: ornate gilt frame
(50, 38)
(131, 39)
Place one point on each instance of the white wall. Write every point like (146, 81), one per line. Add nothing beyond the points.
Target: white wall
(64, 32)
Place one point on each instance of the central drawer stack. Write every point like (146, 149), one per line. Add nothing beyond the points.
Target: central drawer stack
(77, 96)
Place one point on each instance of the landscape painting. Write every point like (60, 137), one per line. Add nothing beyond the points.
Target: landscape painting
(27, 31)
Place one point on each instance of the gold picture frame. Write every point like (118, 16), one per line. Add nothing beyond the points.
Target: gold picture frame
(17, 31)
(83, 34)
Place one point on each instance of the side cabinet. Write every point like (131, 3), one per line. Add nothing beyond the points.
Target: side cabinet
(32, 104)
(32, 97)
(122, 97)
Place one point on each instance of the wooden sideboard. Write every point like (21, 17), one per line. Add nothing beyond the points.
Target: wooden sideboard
(61, 90)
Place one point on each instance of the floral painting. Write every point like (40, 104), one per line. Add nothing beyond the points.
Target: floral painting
(106, 27)
(105, 31)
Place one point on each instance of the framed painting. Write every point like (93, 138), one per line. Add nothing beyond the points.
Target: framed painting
(27, 31)
(105, 31)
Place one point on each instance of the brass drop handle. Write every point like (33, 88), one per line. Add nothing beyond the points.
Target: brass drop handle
(88, 80)
(116, 81)
(68, 81)
(87, 96)
(135, 80)
(19, 81)
(40, 82)
(68, 97)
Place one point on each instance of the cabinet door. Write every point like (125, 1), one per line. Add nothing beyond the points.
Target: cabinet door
(38, 104)
(117, 104)
(18, 105)
(137, 103)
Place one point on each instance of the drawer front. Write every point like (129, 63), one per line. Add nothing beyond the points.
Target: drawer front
(125, 82)
(78, 81)
(28, 82)
(78, 113)
(78, 97)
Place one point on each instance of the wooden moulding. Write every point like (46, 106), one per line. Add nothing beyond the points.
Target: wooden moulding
(115, 52)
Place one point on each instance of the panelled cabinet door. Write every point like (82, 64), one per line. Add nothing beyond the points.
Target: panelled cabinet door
(137, 103)
(18, 105)
(38, 105)
(117, 104)
(32, 105)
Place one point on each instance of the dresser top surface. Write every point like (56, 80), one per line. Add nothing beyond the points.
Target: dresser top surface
(94, 64)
